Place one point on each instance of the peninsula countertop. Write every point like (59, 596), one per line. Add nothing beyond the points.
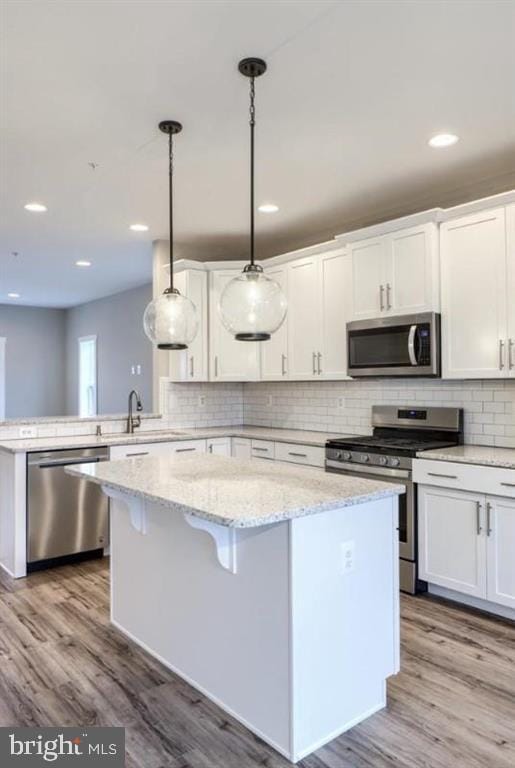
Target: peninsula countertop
(237, 493)
(488, 456)
(63, 442)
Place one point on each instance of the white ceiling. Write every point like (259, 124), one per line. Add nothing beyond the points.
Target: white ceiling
(353, 91)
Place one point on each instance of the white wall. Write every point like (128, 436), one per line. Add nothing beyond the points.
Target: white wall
(34, 360)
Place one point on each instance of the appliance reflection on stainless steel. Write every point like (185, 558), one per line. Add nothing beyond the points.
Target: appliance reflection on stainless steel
(133, 421)
(407, 345)
(400, 432)
(66, 515)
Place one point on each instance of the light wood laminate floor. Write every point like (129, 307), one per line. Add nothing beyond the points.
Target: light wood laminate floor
(452, 706)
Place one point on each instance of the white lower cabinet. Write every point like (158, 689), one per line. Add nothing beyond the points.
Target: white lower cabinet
(241, 447)
(467, 543)
(221, 446)
(452, 544)
(500, 553)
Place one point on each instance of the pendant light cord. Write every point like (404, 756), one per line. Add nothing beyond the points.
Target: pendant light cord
(170, 199)
(252, 126)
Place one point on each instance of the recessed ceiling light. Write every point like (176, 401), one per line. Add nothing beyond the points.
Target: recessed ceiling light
(443, 140)
(139, 227)
(14, 295)
(35, 207)
(83, 263)
(268, 208)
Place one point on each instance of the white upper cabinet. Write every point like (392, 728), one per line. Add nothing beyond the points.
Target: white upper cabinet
(510, 287)
(303, 318)
(192, 364)
(396, 273)
(229, 360)
(274, 352)
(335, 290)
(474, 296)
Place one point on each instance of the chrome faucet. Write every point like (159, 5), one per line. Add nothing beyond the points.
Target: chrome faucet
(133, 421)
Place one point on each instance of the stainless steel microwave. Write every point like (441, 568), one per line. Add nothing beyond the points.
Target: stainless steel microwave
(406, 345)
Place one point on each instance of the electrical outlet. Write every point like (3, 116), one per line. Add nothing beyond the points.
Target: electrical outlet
(133, 370)
(270, 400)
(27, 432)
(138, 370)
(347, 555)
(341, 403)
(202, 401)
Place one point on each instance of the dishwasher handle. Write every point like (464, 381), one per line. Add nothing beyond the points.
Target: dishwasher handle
(67, 463)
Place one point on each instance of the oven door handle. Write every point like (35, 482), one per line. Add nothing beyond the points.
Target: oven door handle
(411, 345)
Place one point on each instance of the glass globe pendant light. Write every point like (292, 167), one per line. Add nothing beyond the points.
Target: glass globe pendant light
(252, 306)
(170, 321)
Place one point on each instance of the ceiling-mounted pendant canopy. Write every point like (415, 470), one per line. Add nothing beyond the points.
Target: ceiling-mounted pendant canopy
(170, 321)
(252, 306)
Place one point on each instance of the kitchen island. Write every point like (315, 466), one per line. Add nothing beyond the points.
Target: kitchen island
(272, 589)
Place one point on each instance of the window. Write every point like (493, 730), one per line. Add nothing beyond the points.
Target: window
(2, 378)
(88, 376)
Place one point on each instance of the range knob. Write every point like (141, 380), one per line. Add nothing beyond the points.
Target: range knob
(364, 457)
(394, 462)
(383, 460)
(337, 454)
(347, 455)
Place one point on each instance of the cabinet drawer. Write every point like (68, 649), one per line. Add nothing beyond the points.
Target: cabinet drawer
(188, 446)
(262, 449)
(134, 451)
(312, 455)
(495, 481)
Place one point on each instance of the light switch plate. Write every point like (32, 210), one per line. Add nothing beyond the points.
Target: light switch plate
(27, 431)
(347, 556)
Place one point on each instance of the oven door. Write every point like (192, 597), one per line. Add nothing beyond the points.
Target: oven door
(407, 345)
(407, 536)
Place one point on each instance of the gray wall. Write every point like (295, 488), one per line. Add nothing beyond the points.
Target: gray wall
(117, 321)
(35, 365)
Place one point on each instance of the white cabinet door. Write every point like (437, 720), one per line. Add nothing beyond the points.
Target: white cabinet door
(452, 539)
(229, 360)
(241, 447)
(192, 364)
(303, 318)
(368, 278)
(335, 290)
(412, 271)
(221, 446)
(510, 287)
(274, 352)
(473, 266)
(501, 551)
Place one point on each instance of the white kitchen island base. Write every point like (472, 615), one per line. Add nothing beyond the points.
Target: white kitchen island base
(291, 627)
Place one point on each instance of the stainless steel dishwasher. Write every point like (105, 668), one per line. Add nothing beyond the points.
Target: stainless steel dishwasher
(67, 517)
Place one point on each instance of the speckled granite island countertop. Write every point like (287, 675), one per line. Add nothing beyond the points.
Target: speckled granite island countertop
(485, 455)
(238, 493)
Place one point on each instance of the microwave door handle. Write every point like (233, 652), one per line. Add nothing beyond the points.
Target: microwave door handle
(411, 345)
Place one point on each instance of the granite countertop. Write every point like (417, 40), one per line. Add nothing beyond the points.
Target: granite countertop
(299, 436)
(237, 493)
(486, 455)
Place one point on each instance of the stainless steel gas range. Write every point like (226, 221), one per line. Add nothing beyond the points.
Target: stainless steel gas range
(399, 433)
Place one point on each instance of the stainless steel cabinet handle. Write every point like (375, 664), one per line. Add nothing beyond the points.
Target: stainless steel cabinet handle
(300, 455)
(140, 453)
(183, 450)
(508, 485)
(478, 518)
(192, 366)
(388, 300)
(381, 297)
(501, 354)
(216, 366)
(257, 448)
(210, 449)
(488, 518)
(319, 359)
(437, 474)
(314, 363)
(283, 365)
(511, 362)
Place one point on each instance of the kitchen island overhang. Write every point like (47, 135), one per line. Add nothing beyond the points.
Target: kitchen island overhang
(270, 588)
